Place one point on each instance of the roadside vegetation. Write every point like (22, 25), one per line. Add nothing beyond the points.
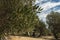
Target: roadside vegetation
(19, 18)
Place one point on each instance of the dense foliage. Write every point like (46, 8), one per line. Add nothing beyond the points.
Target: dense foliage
(40, 29)
(53, 20)
(17, 16)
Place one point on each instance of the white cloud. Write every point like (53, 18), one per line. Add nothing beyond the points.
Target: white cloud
(57, 10)
(37, 1)
(46, 6)
(42, 16)
(49, 5)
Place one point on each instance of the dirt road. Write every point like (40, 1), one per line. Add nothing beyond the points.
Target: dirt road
(29, 38)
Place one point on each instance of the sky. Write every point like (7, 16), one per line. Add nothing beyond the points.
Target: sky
(48, 6)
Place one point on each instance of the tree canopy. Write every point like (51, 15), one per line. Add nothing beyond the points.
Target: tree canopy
(17, 16)
(53, 20)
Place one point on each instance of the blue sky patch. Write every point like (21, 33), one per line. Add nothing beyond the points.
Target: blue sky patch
(48, 6)
(55, 0)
